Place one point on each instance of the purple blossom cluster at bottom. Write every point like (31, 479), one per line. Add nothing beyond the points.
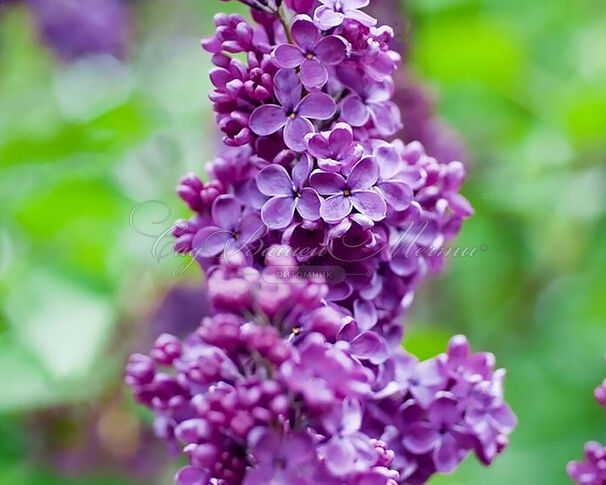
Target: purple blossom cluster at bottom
(279, 386)
(592, 470)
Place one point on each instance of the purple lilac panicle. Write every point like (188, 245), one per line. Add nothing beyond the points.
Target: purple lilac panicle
(296, 375)
(317, 166)
(278, 368)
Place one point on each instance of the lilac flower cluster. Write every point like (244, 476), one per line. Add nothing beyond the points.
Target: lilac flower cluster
(315, 229)
(308, 121)
(443, 409)
(251, 389)
(592, 470)
(278, 385)
(382, 222)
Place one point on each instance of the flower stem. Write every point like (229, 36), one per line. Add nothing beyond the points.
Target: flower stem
(258, 6)
(280, 14)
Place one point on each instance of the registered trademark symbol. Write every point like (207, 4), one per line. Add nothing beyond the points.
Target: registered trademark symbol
(483, 248)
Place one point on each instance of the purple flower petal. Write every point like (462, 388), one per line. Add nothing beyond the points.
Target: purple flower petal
(250, 229)
(210, 241)
(267, 119)
(364, 174)
(330, 165)
(278, 212)
(389, 161)
(300, 449)
(327, 18)
(274, 180)
(365, 314)
(338, 232)
(352, 416)
(460, 205)
(300, 6)
(428, 232)
(356, 4)
(250, 194)
(340, 456)
(352, 76)
(335, 208)
(386, 118)
(370, 346)
(309, 204)
(354, 111)
(331, 50)
(458, 350)
(397, 194)
(412, 176)
(266, 446)
(287, 88)
(304, 237)
(431, 380)
(226, 211)
(262, 474)
(402, 265)
(340, 291)
(362, 17)
(327, 183)
(300, 172)
(192, 476)
(295, 131)
(378, 92)
(313, 74)
(220, 77)
(430, 372)
(382, 66)
(420, 438)
(340, 138)
(362, 221)
(369, 203)
(505, 418)
(317, 146)
(447, 455)
(443, 411)
(288, 55)
(317, 106)
(305, 33)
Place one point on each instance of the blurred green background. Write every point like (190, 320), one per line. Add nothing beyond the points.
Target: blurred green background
(82, 143)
